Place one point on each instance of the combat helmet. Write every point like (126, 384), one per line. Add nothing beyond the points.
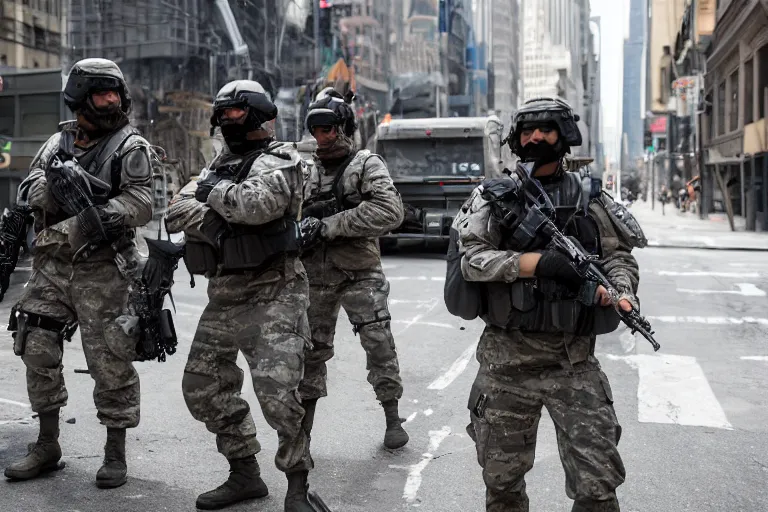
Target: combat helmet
(545, 110)
(330, 109)
(92, 75)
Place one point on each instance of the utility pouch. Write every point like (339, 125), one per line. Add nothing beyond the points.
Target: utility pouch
(200, 258)
(167, 330)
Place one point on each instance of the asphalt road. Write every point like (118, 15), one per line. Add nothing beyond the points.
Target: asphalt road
(695, 414)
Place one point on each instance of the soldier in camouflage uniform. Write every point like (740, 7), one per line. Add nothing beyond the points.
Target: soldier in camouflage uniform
(538, 349)
(351, 200)
(112, 162)
(241, 224)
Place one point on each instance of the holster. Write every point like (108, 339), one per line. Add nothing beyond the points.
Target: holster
(168, 331)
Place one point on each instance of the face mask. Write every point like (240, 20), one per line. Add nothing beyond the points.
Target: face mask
(106, 119)
(541, 153)
(236, 137)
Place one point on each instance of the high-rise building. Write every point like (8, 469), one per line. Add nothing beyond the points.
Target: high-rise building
(559, 61)
(632, 115)
(30, 34)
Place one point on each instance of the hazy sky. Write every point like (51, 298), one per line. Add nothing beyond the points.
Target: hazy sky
(614, 19)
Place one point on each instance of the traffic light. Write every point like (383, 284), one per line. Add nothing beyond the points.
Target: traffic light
(325, 4)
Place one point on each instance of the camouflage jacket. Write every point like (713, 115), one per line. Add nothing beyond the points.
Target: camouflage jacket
(482, 260)
(272, 189)
(371, 207)
(134, 201)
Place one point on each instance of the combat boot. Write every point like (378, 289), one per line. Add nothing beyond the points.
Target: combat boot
(587, 505)
(244, 483)
(114, 471)
(43, 455)
(395, 436)
(296, 497)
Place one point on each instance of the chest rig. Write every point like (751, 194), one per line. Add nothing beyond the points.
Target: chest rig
(102, 163)
(241, 247)
(545, 305)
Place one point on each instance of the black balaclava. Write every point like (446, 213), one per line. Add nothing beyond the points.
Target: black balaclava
(105, 120)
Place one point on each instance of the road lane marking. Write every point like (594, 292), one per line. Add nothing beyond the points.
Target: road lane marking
(711, 320)
(673, 389)
(413, 483)
(754, 358)
(702, 273)
(428, 412)
(430, 324)
(628, 341)
(411, 417)
(416, 278)
(456, 369)
(417, 318)
(13, 402)
(746, 289)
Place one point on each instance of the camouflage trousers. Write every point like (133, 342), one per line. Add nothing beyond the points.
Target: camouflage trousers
(94, 296)
(270, 328)
(364, 298)
(505, 408)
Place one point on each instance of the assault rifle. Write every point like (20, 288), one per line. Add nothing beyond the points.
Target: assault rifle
(154, 325)
(535, 222)
(13, 230)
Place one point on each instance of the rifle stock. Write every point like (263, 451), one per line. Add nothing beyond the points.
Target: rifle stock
(12, 234)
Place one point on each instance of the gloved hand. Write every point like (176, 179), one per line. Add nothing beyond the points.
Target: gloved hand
(311, 232)
(67, 185)
(556, 265)
(206, 185)
(96, 225)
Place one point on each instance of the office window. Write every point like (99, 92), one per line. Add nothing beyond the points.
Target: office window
(749, 88)
(762, 81)
(721, 108)
(39, 114)
(7, 112)
(39, 38)
(28, 35)
(733, 125)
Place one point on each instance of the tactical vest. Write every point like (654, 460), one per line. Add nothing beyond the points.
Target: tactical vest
(242, 247)
(102, 163)
(544, 305)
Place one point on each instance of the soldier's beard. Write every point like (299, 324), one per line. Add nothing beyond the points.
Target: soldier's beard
(340, 148)
(542, 153)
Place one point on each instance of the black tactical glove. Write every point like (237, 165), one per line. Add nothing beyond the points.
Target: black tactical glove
(320, 209)
(556, 265)
(311, 229)
(96, 225)
(205, 185)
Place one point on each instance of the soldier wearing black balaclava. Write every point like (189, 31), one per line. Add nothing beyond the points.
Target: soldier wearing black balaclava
(240, 220)
(538, 346)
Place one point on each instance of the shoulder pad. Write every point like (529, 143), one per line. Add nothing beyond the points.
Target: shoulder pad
(67, 125)
(574, 163)
(625, 223)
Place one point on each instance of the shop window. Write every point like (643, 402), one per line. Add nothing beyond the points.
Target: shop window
(39, 114)
(7, 113)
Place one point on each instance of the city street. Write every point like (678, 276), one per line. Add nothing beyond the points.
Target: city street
(695, 414)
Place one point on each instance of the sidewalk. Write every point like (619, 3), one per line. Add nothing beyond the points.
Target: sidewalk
(689, 231)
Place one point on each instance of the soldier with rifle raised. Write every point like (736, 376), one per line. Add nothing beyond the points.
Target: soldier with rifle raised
(543, 257)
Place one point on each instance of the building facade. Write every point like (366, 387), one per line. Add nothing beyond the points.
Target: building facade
(559, 60)
(733, 124)
(30, 34)
(632, 115)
